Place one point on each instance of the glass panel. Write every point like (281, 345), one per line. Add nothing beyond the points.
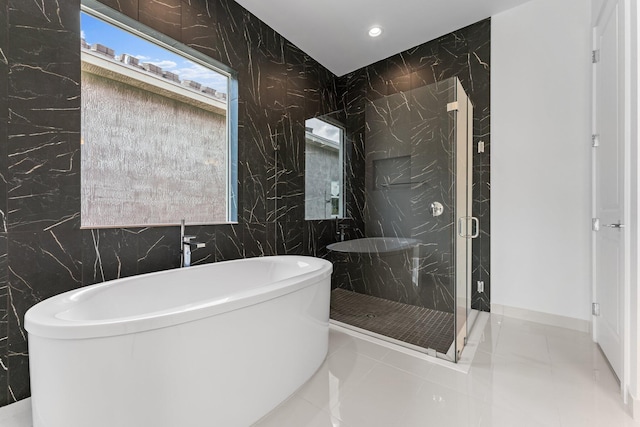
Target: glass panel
(464, 222)
(408, 279)
(399, 281)
(156, 131)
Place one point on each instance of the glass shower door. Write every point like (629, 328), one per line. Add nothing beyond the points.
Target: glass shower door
(408, 280)
(467, 226)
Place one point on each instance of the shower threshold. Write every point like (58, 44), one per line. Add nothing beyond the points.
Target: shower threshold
(389, 323)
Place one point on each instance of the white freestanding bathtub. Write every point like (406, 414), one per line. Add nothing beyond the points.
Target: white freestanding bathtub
(215, 345)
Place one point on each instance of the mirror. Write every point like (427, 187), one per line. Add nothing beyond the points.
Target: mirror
(324, 172)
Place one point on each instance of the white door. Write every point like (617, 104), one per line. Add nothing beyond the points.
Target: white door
(609, 200)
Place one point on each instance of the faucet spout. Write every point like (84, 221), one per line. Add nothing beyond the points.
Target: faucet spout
(186, 245)
(342, 228)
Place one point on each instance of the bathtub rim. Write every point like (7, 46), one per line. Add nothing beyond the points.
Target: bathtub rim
(42, 319)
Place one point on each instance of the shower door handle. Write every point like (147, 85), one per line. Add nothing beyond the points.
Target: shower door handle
(462, 218)
(475, 233)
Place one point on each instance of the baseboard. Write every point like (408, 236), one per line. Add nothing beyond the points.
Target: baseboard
(634, 406)
(17, 414)
(540, 317)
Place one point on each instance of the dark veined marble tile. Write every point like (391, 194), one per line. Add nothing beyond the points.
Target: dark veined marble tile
(43, 181)
(267, 44)
(254, 197)
(328, 91)
(276, 173)
(255, 240)
(42, 264)
(267, 67)
(199, 21)
(423, 77)
(162, 15)
(294, 200)
(229, 242)
(452, 53)
(128, 7)
(398, 73)
(289, 238)
(4, 318)
(207, 8)
(479, 38)
(3, 188)
(292, 144)
(293, 173)
(341, 92)
(158, 249)
(272, 92)
(377, 81)
(17, 361)
(43, 130)
(317, 235)
(44, 81)
(4, 367)
(296, 83)
(203, 234)
(355, 176)
(356, 86)
(49, 14)
(314, 89)
(479, 81)
(3, 119)
(230, 32)
(276, 191)
(109, 254)
(436, 292)
(4, 62)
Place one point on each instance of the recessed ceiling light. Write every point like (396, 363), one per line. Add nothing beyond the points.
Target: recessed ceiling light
(375, 31)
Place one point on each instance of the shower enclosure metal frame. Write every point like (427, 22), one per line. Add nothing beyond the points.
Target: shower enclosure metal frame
(418, 187)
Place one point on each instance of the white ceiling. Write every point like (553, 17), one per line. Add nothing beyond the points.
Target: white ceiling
(334, 32)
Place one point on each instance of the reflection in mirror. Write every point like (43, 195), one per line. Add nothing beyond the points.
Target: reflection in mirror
(324, 146)
(157, 144)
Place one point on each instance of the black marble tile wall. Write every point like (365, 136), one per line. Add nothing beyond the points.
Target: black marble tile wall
(390, 87)
(4, 286)
(42, 249)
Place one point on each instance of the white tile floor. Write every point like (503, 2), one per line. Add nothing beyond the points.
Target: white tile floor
(523, 375)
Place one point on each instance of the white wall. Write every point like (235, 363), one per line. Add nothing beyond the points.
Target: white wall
(540, 157)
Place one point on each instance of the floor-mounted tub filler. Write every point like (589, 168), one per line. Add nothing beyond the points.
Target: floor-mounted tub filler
(214, 345)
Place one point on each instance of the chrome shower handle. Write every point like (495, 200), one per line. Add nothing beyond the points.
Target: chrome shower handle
(460, 227)
(476, 233)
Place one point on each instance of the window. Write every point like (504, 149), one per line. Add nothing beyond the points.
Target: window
(158, 141)
(323, 169)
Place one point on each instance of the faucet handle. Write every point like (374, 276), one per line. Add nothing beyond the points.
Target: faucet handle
(187, 239)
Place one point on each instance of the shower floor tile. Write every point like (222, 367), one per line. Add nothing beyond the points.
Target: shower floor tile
(419, 326)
